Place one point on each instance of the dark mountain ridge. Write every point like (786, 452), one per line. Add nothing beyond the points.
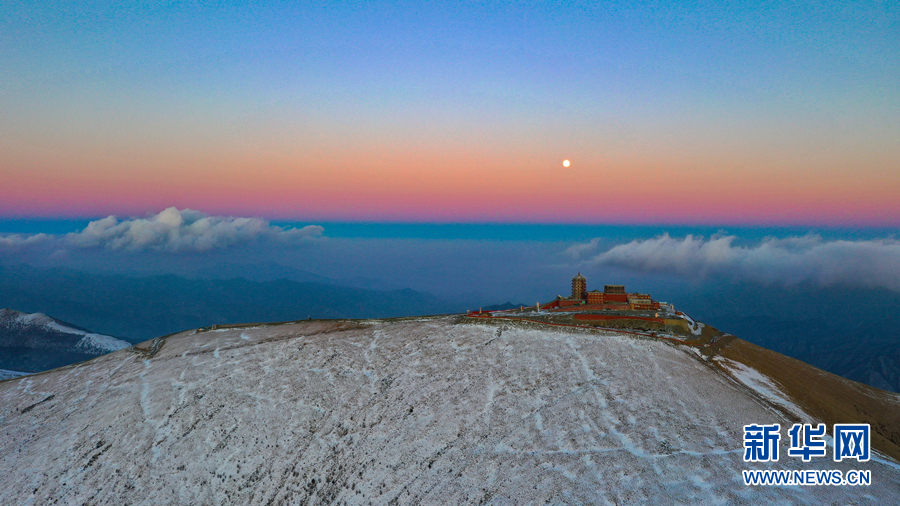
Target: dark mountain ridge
(36, 342)
(140, 308)
(848, 331)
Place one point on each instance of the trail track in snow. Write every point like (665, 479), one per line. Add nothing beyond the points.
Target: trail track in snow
(424, 411)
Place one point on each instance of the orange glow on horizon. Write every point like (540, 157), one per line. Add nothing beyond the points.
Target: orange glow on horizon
(439, 184)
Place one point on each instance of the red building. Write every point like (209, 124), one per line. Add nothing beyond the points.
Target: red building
(613, 297)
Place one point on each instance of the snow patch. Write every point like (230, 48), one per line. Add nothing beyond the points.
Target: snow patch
(697, 328)
(7, 374)
(762, 385)
(101, 343)
(89, 342)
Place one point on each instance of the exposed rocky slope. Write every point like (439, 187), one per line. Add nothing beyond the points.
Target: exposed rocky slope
(37, 342)
(419, 411)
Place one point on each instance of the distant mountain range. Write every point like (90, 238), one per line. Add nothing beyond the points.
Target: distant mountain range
(36, 342)
(271, 271)
(141, 308)
(870, 355)
(851, 332)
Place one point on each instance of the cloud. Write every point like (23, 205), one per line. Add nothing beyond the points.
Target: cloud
(17, 241)
(865, 263)
(171, 230)
(581, 250)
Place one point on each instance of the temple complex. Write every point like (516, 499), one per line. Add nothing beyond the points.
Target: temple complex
(612, 298)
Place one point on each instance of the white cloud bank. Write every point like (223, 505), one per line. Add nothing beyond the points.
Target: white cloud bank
(865, 263)
(18, 241)
(171, 230)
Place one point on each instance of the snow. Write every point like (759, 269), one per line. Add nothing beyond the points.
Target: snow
(768, 389)
(7, 374)
(38, 319)
(101, 343)
(410, 412)
(762, 385)
(695, 326)
(89, 342)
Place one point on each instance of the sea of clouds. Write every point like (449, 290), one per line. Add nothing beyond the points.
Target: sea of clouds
(863, 263)
(528, 268)
(171, 230)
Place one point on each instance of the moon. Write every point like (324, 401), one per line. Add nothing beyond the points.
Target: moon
(566, 163)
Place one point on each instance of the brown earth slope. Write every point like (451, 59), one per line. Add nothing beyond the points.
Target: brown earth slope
(827, 397)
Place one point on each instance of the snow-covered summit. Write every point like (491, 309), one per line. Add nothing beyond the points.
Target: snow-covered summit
(37, 342)
(418, 411)
(89, 342)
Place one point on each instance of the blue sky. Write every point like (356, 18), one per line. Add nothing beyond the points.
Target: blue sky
(780, 114)
(427, 140)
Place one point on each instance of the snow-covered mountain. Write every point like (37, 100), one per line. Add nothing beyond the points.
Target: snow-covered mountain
(443, 410)
(6, 374)
(37, 342)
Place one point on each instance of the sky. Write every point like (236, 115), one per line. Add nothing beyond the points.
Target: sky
(421, 144)
(688, 114)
